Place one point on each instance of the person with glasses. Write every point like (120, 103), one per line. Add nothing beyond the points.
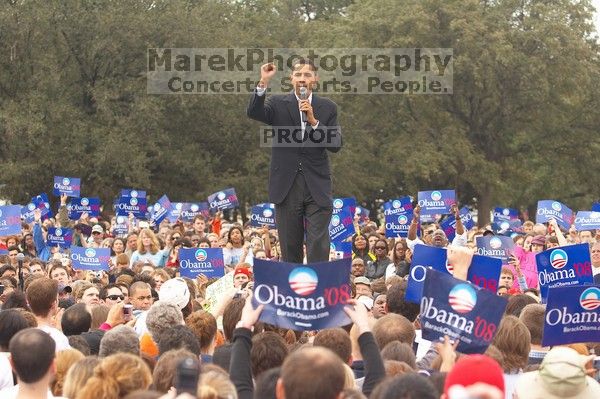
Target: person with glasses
(399, 266)
(111, 295)
(377, 268)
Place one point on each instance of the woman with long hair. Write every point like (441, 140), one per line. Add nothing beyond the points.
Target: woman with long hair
(148, 249)
(400, 264)
(235, 251)
(360, 249)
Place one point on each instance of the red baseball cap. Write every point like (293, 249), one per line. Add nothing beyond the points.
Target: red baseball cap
(472, 369)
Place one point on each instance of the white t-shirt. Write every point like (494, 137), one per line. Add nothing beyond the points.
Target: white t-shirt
(62, 342)
(6, 377)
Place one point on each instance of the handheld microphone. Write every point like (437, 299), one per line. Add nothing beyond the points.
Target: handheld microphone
(303, 96)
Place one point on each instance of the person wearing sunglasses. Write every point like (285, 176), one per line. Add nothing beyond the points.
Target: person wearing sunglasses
(111, 295)
(376, 269)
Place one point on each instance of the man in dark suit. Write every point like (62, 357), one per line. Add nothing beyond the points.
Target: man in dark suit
(300, 176)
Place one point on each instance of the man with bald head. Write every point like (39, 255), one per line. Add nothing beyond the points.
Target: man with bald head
(438, 236)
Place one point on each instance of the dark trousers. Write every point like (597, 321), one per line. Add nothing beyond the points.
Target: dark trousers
(298, 207)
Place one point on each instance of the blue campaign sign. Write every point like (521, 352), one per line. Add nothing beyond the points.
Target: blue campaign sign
(135, 205)
(483, 272)
(549, 209)
(160, 210)
(437, 202)
(397, 225)
(339, 203)
(507, 226)
(175, 211)
(341, 250)
(70, 186)
(362, 213)
(59, 237)
(121, 226)
(564, 266)
(263, 214)
(449, 224)
(505, 214)
(40, 202)
(596, 207)
(189, 210)
(77, 206)
(460, 310)
(303, 297)
(500, 247)
(225, 199)
(90, 258)
(10, 220)
(398, 206)
(587, 220)
(572, 315)
(133, 193)
(207, 261)
(341, 225)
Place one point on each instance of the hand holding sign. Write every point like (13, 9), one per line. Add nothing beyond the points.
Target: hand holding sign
(250, 315)
(460, 258)
(359, 315)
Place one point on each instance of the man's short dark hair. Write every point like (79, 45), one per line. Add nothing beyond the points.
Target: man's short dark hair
(396, 303)
(104, 290)
(337, 340)
(178, 337)
(268, 350)
(313, 373)
(32, 354)
(406, 386)
(11, 322)
(42, 294)
(266, 383)
(76, 320)
(300, 62)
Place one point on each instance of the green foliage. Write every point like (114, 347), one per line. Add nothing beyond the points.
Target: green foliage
(522, 123)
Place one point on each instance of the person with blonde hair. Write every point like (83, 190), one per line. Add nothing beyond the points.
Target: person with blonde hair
(148, 249)
(78, 375)
(215, 385)
(64, 361)
(160, 276)
(116, 376)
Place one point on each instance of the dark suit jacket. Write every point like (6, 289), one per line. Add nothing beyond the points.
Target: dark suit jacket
(597, 279)
(282, 111)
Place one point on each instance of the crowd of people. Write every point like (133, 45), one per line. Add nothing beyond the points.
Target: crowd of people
(139, 330)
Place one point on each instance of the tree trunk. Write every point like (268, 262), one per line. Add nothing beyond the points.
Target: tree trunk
(484, 206)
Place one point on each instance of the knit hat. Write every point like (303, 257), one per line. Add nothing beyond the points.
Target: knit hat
(472, 369)
(560, 376)
(539, 240)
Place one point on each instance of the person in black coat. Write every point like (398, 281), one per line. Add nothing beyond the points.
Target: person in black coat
(300, 175)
